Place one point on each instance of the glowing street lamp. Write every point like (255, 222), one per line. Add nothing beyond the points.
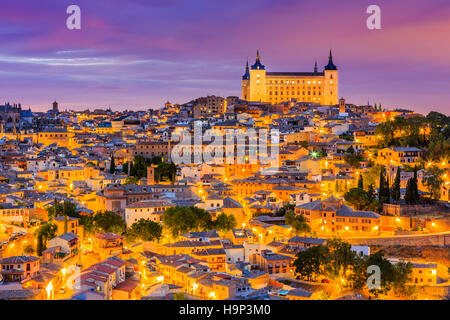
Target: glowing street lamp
(49, 290)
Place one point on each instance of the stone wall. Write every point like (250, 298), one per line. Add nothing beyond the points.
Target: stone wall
(441, 240)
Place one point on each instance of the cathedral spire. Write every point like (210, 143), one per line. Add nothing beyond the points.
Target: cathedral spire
(246, 75)
(258, 64)
(330, 65)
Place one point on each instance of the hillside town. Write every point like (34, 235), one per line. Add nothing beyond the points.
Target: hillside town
(288, 195)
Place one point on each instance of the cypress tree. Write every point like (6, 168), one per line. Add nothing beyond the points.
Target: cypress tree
(371, 193)
(396, 186)
(337, 187)
(132, 170)
(112, 166)
(409, 196)
(387, 191)
(361, 182)
(381, 192)
(66, 222)
(39, 245)
(415, 191)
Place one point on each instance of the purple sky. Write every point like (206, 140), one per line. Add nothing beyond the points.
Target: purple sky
(140, 53)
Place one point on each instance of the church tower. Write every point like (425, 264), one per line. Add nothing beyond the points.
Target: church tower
(55, 108)
(257, 81)
(245, 83)
(150, 175)
(330, 83)
(342, 105)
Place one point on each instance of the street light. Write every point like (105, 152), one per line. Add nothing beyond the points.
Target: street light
(49, 290)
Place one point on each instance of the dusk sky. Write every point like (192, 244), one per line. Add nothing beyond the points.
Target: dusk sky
(137, 54)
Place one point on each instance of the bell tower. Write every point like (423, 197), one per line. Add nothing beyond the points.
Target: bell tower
(150, 175)
(342, 105)
(257, 81)
(330, 94)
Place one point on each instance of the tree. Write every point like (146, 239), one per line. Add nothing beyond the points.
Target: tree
(323, 153)
(180, 220)
(62, 209)
(371, 193)
(402, 273)
(165, 171)
(372, 175)
(47, 230)
(354, 160)
(396, 186)
(361, 182)
(138, 167)
(51, 211)
(383, 192)
(415, 188)
(112, 166)
(362, 200)
(131, 180)
(387, 273)
(132, 171)
(358, 278)
(312, 262)
(409, 192)
(29, 249)
(387, 191)
(350, 150)
(357, 198)
(297, 222)
(44, 233)
(433, 181)
(109, 222)
(88, 223)
(39, 245)
(125, 167)
(284, 209)
(224, 222)
(145, 230)
(341, 257)
(412, 192)
(337, 187)
(65, 223)
(386, 131)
